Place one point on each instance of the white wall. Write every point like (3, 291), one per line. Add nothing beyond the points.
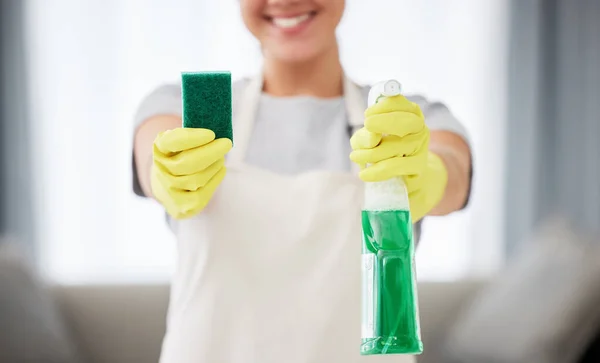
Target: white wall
(92, 61)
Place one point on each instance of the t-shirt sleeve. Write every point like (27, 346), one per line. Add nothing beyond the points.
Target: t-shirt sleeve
(164, 100)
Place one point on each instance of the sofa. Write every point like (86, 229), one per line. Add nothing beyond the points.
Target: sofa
(125, 324)
(542, 307)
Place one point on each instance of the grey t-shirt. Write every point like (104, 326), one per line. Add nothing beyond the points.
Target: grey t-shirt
(298, 134)
(294, 134)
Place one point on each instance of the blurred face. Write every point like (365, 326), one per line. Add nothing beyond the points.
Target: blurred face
(293, 30)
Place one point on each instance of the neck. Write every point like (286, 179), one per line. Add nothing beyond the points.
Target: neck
(320, 77)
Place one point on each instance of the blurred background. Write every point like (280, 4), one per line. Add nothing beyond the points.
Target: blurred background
(523, 77)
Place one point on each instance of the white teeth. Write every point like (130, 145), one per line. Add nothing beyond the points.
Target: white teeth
(290, 22)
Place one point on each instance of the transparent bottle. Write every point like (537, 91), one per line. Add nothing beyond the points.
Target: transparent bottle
(390, 313)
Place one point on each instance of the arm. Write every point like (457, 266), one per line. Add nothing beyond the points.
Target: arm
(143, 145)
(456, 155)
(435, 160)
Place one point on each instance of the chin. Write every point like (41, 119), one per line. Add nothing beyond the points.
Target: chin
(295, 53)
(295, 57)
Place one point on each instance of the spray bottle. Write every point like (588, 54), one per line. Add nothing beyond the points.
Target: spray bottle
(390, 316)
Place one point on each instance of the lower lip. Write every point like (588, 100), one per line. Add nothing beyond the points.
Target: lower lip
(295, 29)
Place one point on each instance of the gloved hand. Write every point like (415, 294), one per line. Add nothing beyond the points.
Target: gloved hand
(189, 165)
(395, 142)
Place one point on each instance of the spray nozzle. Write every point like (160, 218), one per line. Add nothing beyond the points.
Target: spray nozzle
(387, 88)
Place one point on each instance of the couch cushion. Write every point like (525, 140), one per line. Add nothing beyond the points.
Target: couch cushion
(545, 307)
(31, 327)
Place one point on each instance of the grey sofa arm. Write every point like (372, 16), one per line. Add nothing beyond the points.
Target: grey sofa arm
(125, 324)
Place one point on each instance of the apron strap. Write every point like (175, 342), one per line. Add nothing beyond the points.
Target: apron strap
(355, 104)
(355, 109)
(245, 117)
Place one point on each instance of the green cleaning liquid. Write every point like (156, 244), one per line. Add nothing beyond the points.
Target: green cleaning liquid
(390, 308)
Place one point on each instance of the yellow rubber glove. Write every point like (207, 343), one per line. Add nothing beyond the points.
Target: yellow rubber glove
(395, 142)
(189, 165)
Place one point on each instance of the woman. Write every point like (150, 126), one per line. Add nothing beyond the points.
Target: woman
(269, 231)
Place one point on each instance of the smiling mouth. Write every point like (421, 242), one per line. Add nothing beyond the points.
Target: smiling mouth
(290, 22)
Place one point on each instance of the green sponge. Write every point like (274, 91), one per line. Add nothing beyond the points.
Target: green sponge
(207, 102)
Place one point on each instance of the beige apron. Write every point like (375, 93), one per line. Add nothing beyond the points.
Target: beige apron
(270, 271)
